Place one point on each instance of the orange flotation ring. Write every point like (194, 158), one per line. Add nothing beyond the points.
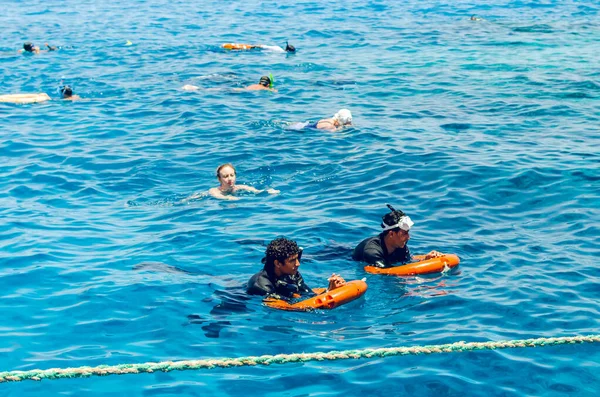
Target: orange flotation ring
(426, 266)
(235, 46)
(325, 300)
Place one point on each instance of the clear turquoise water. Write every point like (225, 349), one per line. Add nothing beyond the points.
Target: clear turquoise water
(486, 133)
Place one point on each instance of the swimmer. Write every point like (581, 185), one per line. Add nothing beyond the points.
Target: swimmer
(389, 247)
(339, 120)
(226, 176)
(67, 94)
(280, 278)
(476, 18)
(32, 49)
(274, 48)
(265, 83)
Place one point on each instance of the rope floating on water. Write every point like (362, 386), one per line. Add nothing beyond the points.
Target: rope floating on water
(167, 366)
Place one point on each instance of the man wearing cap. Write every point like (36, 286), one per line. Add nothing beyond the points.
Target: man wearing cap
(280, 277)
(389, 247)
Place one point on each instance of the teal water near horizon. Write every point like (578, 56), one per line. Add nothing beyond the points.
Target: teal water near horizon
(484, 132)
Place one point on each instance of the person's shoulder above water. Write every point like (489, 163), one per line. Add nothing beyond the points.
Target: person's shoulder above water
(260, 284)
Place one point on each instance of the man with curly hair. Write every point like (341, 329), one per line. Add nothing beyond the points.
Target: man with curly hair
(279, 277)
(389, 247)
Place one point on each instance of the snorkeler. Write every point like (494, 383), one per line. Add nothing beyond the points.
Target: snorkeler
(265, 83)
(476, 18)
(67, 94)
(274, 48)
(28, 47)
(226, 191)
(280, 277)
(389, 247)
(339, 120)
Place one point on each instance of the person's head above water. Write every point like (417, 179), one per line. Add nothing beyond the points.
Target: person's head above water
(344, 117)
(395, 221)
(282, 257)
(289, 48)
(29, 47)
(66, 91)
(265, 81)
(226, 175)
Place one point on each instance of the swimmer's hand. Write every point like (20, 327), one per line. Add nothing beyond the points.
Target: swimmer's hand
(273, 191)
(433, 254)
(335, 281)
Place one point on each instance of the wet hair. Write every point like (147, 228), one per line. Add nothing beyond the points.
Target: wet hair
(279, 249)
(391, 218)
(219, 168)
(66, 91)
(265, 81)
(289, 48)
(28, 47)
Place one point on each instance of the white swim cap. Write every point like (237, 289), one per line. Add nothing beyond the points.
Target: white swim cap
(343, 116)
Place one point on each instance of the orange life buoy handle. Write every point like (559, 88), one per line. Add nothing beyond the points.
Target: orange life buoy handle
(325, 300)
(433, 265)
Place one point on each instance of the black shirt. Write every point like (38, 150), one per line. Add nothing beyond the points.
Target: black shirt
(283, 287)
(373, 251)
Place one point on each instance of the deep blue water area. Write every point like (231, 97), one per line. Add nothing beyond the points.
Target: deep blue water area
(485, 132)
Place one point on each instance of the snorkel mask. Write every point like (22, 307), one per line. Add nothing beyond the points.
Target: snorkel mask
(66, 91)
(404, 223)
(289, 48)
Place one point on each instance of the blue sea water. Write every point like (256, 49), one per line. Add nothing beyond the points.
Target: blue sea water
(484, 132)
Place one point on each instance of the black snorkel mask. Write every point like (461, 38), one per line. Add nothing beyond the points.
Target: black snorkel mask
(289, 48)
(66, 91)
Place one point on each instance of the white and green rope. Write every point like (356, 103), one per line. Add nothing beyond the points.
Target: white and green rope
(167, 366)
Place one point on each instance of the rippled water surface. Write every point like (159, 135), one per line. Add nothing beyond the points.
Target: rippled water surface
(484, 132)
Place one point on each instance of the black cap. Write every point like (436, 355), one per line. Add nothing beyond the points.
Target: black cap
(28, 46)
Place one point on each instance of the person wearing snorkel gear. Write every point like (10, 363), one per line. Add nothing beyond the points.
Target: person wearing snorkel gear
(265, 83)
(67, 94)
(280, 278)
(226, 175)
(275, 48)
(32, 49)
(389, 247)
(339, 120)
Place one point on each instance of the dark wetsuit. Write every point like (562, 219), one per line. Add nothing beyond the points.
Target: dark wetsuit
(373, 251)
(284, 287)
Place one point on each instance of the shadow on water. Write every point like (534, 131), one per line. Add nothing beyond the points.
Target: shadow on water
(232, 302)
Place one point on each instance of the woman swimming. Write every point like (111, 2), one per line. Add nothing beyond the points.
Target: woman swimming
(226, 175)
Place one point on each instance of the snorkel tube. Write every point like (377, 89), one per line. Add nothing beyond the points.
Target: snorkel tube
(272, 80)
